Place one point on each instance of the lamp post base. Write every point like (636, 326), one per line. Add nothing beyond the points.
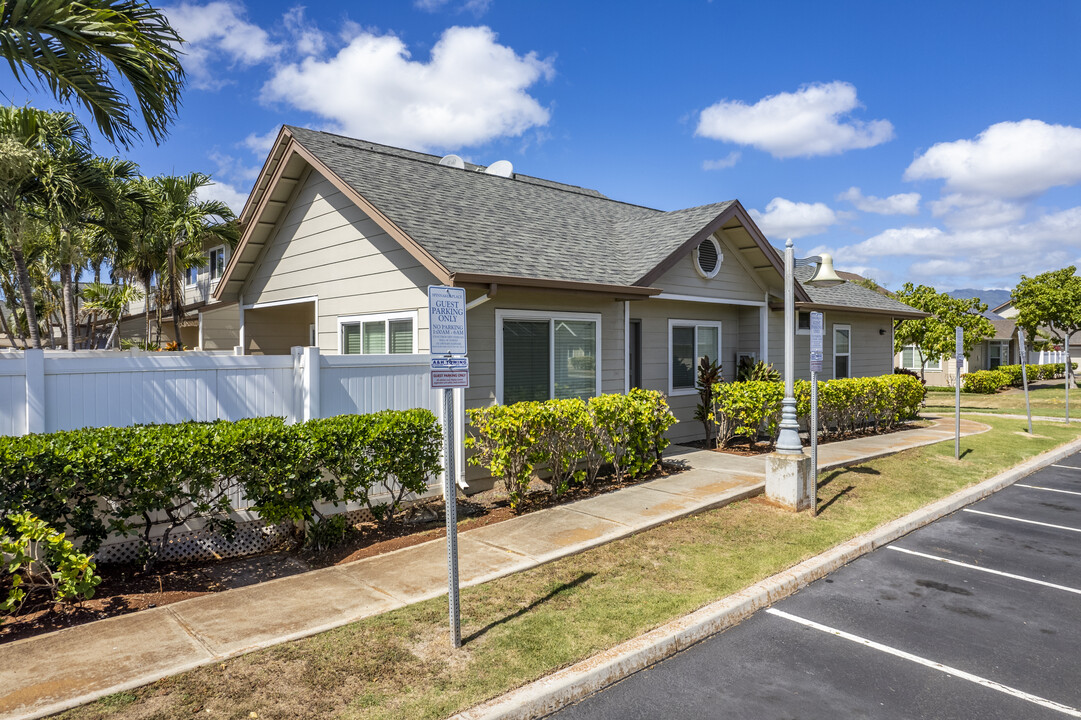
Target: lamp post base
(790, 482)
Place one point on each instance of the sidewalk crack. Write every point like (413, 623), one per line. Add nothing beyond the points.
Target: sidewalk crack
(191, 632)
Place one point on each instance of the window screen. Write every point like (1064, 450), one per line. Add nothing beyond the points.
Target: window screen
(526, 361)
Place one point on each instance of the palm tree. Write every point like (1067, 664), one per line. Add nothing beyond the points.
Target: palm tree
(81, 49)
(110, 299)
(30, 140)
(82, 191)
(184, 223)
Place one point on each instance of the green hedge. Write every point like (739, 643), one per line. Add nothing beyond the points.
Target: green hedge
(570, 438)
(991, 381)
(126, 480)
(746, 409)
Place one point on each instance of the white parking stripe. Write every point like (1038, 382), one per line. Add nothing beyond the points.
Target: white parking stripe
(1017, 519)
(1037, 487)
(1035, 699)
(1067, 467)
(986, 570)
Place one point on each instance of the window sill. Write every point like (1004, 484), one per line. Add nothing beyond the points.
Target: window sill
(683, 391)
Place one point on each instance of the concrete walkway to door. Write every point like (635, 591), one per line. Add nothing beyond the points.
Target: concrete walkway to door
(59, 670)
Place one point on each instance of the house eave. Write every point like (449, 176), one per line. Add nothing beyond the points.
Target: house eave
(620, 291)
(903, 314)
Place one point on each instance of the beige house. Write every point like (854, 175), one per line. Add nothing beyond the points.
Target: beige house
(1001, 349)
(570, 293)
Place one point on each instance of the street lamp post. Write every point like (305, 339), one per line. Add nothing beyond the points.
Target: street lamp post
(788, 475)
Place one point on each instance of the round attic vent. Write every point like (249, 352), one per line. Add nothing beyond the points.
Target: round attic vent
(708, 258)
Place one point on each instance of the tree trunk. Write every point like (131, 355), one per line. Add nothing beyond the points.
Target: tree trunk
(178, 311)
(146, 309)
(113, 333)
(27, 292)
(69, 305)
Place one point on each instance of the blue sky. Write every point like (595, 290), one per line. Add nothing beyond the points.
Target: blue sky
(937, 142)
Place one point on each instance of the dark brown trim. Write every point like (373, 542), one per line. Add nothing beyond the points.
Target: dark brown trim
(635, 291)
(914, 314)
(262, 172)
(735, 210)
(249, 227)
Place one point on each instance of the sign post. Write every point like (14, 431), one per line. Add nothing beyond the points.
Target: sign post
(959, 353)
(446, 320)
(1024, 375)
(816, 367)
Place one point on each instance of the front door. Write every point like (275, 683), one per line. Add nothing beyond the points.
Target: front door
(634, 354)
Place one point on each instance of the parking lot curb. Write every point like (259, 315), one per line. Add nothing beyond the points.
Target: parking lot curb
(552, 692)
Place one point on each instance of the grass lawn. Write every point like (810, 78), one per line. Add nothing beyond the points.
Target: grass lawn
(518, 628)
(1047, 400)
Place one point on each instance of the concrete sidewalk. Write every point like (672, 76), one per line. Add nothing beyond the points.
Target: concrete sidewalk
(59, 670)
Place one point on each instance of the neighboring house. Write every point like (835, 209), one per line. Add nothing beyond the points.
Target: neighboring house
(1002, 349)
(570, 293)
(199, 283)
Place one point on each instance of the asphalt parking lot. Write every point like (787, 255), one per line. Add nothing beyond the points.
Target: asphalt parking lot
(977, 615)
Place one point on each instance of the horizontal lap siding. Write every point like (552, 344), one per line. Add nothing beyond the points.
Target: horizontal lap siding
(872, 350)
(732, 281)
(482, 329)
(655, 315)
(221, 328)
(326, 247)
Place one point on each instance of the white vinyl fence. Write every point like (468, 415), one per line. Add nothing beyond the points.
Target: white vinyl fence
(42, 391)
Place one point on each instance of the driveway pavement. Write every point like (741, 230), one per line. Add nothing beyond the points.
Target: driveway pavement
(977, 615)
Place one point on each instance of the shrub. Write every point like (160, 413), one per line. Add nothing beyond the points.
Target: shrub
(626, 431)
(741, 409)
(844, 405)
(709, 374)
(35, 557)
(910, 373)
(505, 440)
(984, 381)
(134, 480)
(756, 371)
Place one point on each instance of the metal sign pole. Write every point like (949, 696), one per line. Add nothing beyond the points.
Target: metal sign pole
(1024, 375)
(1068, 367)
(814, 441)
(816, 367)
(959, 349)
(450, 497)
(447, 338)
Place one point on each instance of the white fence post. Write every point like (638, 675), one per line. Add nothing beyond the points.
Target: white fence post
(35, 390)
(311, 383)
(305, 384)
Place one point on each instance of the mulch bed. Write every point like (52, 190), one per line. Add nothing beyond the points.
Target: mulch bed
(125, 589)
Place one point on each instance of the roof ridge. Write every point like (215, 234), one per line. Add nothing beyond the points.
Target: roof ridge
(521, 177)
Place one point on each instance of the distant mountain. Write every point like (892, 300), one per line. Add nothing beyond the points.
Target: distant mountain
(993, 298)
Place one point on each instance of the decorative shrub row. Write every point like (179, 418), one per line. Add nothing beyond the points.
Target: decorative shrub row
(128, 480)
(991, 381)
(572, 439)
(745, 409)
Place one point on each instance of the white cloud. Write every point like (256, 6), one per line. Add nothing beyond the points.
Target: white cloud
(814, 120)
(226, 193)
(978, 257)
(900, 204)
(1007, 160)
(307, 38)
(470, 91)
(786, 219)
(261, 144)
(970, 211)
(727, 161)
(217, 35)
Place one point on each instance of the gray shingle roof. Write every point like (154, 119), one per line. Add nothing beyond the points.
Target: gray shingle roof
(472, 222)
(849, 294)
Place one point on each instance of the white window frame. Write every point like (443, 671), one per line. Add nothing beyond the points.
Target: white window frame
(674, 323)
(836, 327)
(928, 365)
(376, 317)
(552, 317)
(210, 262)
(1003, 352)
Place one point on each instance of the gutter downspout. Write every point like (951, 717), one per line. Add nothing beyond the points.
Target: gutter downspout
(493, 288)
